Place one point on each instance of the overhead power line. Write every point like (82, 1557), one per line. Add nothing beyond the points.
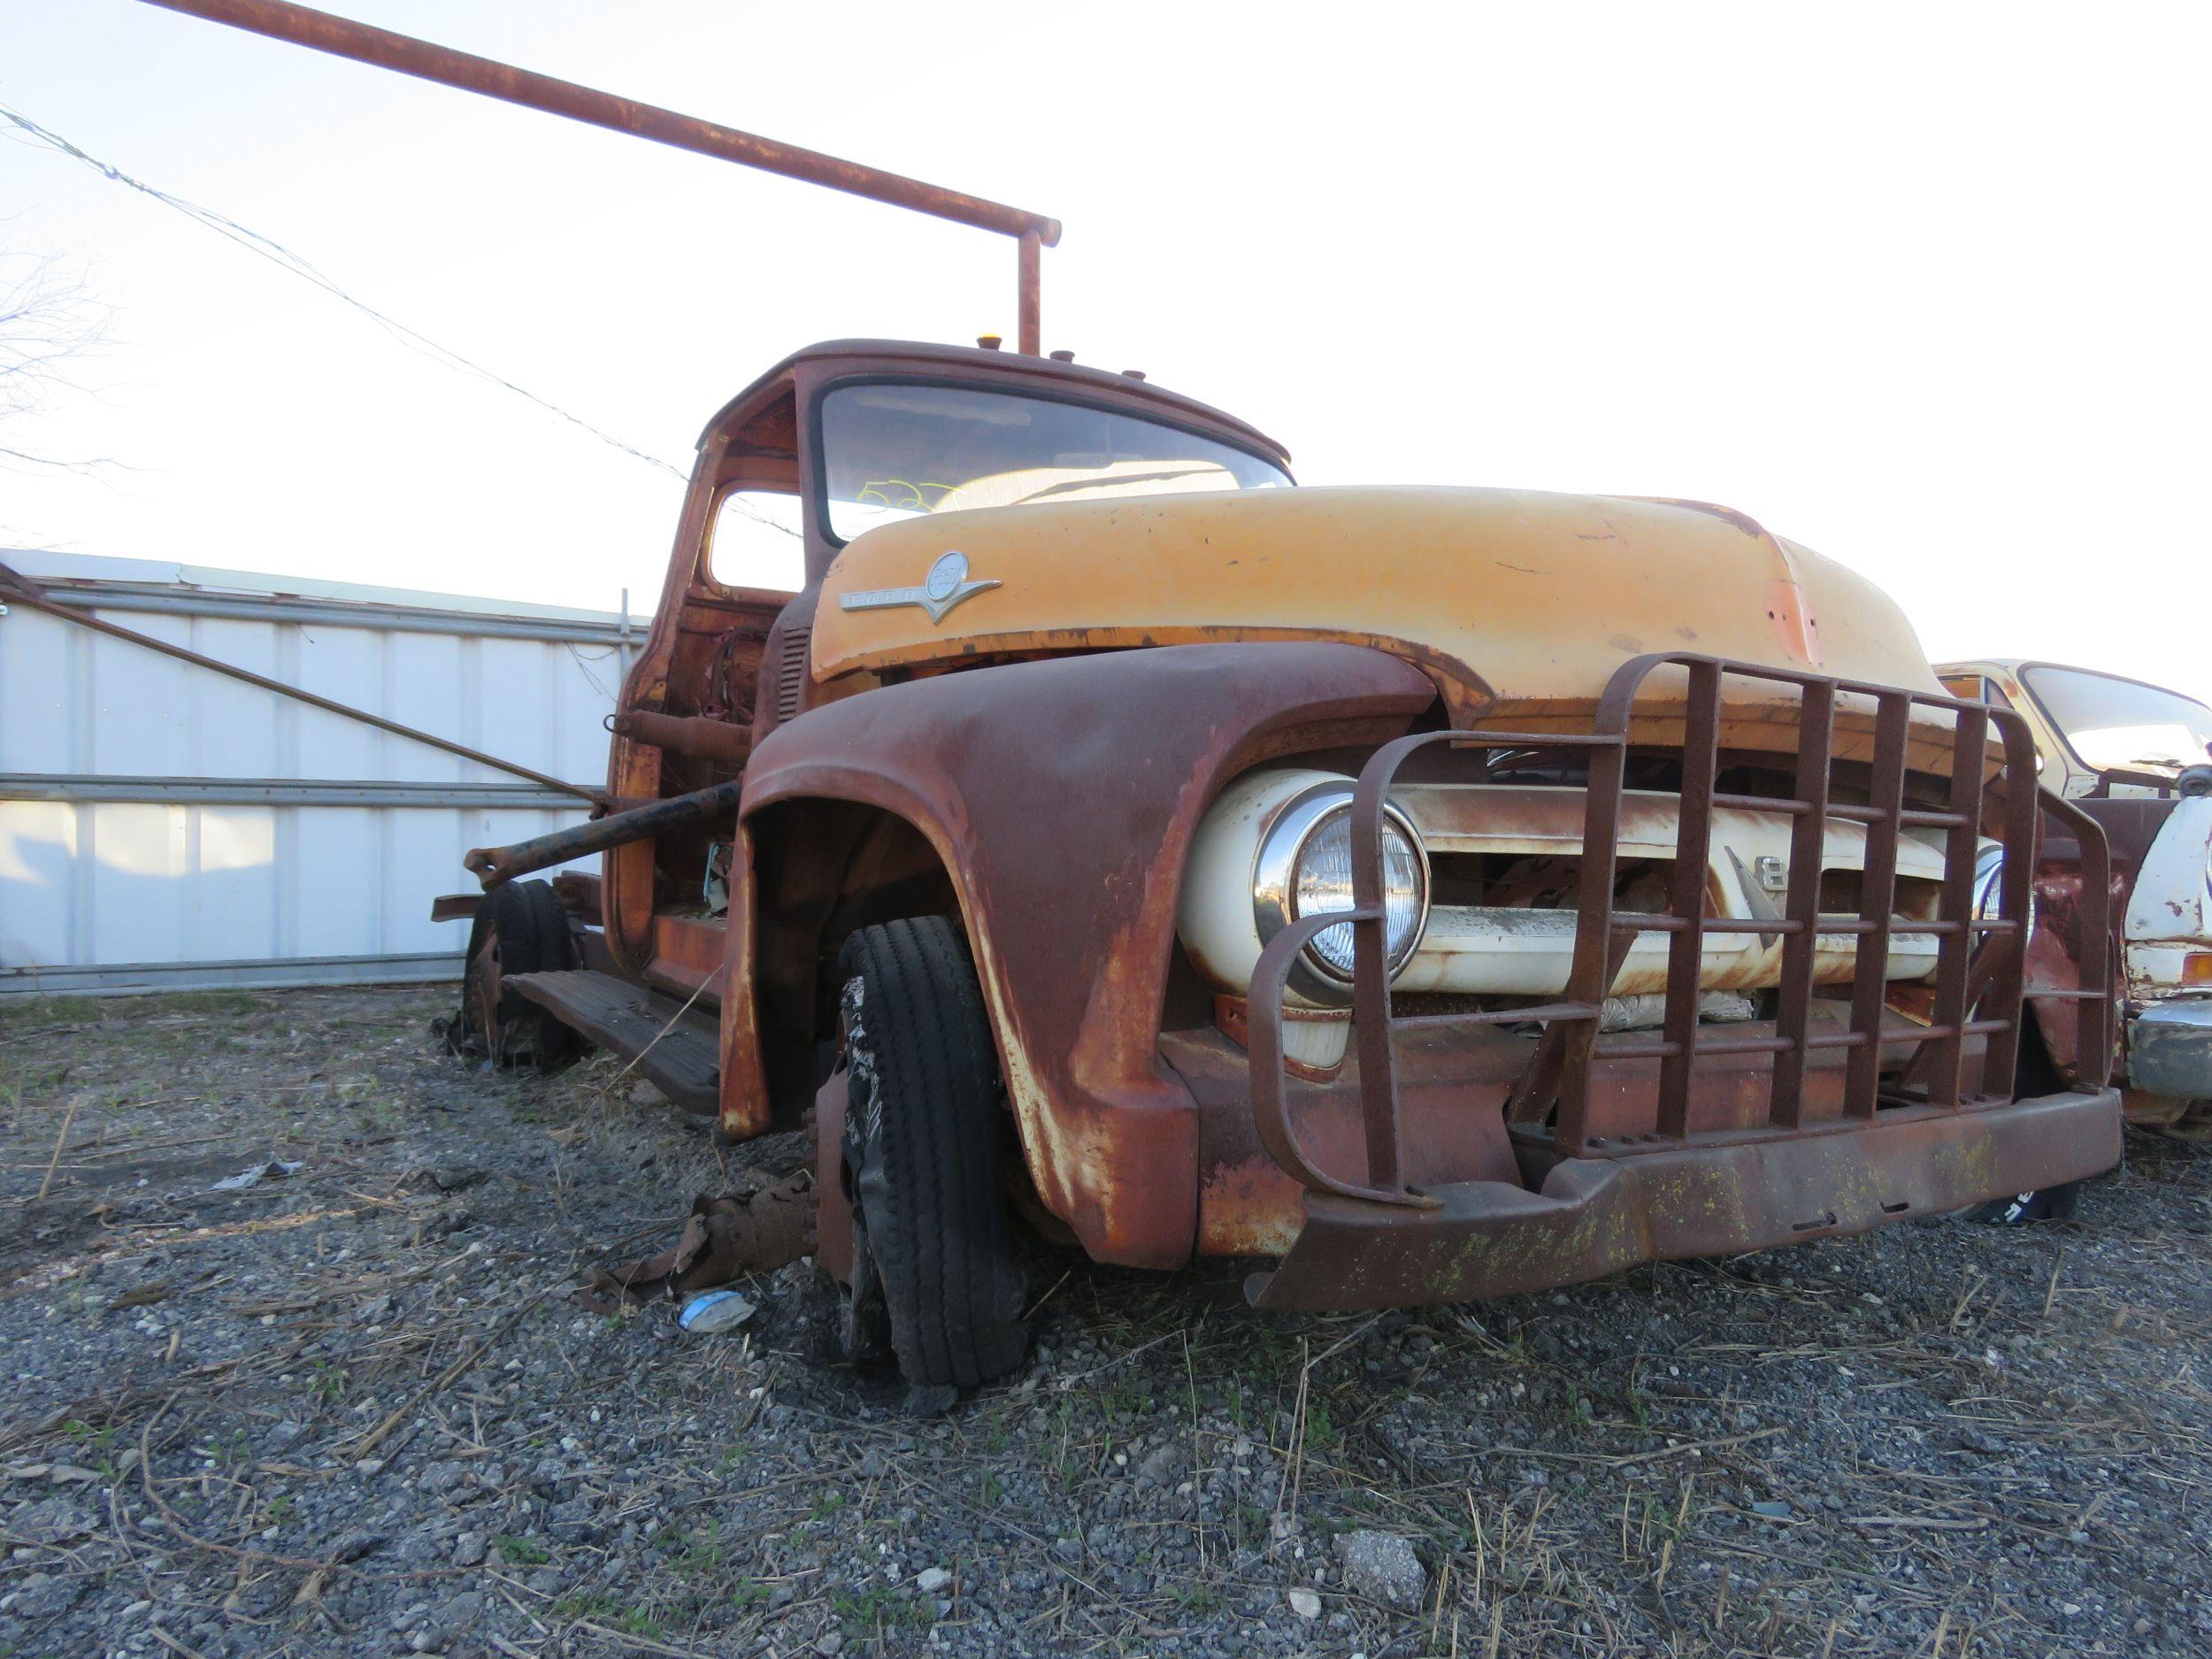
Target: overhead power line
(284, 258)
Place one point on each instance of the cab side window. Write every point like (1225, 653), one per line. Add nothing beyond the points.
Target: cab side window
(757, 543)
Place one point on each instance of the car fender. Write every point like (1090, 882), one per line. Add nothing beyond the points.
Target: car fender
(2170, 910)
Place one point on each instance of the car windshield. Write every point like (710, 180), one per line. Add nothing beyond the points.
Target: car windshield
(894, 450)
(2120, 724)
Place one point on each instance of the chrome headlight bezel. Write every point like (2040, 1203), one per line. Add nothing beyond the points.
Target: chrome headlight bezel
(1989, 876)
(1275, 885)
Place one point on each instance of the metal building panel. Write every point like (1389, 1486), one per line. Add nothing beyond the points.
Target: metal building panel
(139, 885)
(36, 674)
(38, 862)
(424, 686)
(236, 895)
(229, 727)
(139, 702)
(329, 916)
(347, 665)
(154, 830)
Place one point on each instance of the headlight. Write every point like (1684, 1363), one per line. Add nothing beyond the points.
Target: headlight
(1989, 881)
(1304, 869)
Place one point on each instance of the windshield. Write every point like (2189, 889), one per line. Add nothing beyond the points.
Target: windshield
(2120, 724)
(893, 450)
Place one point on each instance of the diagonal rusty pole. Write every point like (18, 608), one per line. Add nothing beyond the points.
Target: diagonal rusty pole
(18, 589)
(342, 37)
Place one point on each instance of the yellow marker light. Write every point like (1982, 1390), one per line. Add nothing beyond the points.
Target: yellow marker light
(2196, 969)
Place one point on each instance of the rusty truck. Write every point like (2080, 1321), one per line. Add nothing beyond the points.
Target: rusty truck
(1420, 894)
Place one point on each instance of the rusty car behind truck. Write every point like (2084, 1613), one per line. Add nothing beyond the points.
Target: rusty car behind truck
(1422, 893)
(2137, 759)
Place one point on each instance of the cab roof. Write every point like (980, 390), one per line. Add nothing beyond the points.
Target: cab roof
(921, 356)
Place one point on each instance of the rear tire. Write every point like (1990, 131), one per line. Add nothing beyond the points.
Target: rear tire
(519, 928)
(923, 1136)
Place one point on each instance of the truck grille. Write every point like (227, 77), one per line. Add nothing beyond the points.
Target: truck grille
(791, 671)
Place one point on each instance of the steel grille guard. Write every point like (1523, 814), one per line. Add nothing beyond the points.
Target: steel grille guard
(1977, 992)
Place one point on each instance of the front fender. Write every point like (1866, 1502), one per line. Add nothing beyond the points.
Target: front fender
(1060, 796)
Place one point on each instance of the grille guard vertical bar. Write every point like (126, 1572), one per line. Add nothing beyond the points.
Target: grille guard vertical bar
(1878, 897)
(1947, 1055)
(1808, 841)
(2021, 810)
(1693, 857)
(1598, 947)
(2093, 942)
(1270, 1106)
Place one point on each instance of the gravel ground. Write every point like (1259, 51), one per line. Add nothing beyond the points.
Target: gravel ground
(347, 1410)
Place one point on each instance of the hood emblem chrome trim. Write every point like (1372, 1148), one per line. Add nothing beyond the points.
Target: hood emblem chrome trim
(945, 587)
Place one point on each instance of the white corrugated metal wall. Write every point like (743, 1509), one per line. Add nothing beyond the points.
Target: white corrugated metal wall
(162, 825)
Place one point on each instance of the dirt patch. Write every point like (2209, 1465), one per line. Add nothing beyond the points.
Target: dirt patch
(346, 1409)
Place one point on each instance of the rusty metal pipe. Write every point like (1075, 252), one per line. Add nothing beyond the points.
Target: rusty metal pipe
(691, 735)
(342, 37)
(1029, 283)
(493, 866)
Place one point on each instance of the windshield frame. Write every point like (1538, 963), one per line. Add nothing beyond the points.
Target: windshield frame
(1132, 409)
(2024, 676)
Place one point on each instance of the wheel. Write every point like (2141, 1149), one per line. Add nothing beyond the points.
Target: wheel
(864, 1323)
(519, 928)
(923, 1140)
(860, 1327)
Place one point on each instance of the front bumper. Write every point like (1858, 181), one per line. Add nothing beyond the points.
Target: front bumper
(1750, 1190)
(2170, 1050)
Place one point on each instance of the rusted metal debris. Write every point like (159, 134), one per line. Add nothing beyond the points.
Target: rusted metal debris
(729, 1236)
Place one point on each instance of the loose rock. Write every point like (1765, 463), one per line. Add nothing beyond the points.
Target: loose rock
(1382, 1567)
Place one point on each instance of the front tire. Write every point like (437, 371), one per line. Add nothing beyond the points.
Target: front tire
(925, 1133)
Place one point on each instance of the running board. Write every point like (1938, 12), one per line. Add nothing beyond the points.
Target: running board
(677, 1050)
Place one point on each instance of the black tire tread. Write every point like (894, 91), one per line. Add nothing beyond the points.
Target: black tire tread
(943, 1244)
(533, 938)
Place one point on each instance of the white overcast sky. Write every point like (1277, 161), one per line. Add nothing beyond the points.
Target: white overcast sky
(1922, 285)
